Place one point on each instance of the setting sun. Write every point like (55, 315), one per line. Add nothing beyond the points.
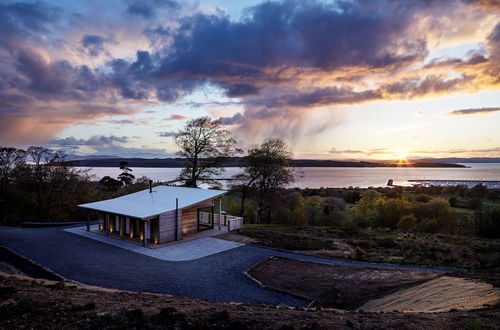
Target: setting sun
(402, 155)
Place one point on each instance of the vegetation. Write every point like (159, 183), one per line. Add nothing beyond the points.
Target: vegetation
(412, 209)
(206, 147)
(41, 185)
(265, 172)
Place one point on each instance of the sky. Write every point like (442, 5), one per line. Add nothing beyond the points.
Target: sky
(349, 79)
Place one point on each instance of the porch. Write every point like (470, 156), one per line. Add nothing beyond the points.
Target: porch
(145, 232)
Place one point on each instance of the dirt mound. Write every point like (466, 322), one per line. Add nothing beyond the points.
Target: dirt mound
(33, 304)
(438, 295)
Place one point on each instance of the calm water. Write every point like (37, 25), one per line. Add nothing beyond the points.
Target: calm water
(316, 177)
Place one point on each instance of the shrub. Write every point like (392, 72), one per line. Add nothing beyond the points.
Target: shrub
(422, 198)
(390, 211)
(453, 201)
(475, 203)
(437, 208)
(428, 226)
(488, 223)
(367, 205)
(407, 222)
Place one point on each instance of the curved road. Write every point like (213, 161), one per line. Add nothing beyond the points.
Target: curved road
(218, 277)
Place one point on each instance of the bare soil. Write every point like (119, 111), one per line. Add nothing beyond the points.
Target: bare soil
(342, 287)
(439, 295)
(41, 304)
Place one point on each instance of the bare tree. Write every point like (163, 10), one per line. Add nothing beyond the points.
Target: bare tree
(207, 146)
(266, 171)
(10, 159)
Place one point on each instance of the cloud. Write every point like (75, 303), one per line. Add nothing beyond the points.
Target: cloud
(473, 111)
(234, 120)
(93, 44)
(167, 134)
(93, 141)
(105, 145)
(148, 9)
(176, 117)
(370, 152)
(279, 62)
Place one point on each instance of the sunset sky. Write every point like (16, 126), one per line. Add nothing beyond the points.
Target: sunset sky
(334, 79)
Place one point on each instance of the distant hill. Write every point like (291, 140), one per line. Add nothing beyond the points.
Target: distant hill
(236, 162)
(461, 160)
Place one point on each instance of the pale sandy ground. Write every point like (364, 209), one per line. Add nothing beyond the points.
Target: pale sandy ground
(438, 295)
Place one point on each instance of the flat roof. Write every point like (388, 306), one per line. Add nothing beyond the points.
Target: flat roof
(144, 204)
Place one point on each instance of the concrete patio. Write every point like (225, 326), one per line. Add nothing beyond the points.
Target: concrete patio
(192, 247)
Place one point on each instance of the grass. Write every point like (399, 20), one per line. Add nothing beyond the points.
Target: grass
(255, 225)
(462, 210)
(385, 246)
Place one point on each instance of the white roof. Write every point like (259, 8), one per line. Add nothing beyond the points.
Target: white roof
(144, 204)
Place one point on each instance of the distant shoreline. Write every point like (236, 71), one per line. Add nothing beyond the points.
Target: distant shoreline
(236, 162)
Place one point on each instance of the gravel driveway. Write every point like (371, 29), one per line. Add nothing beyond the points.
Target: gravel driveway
(218, 277)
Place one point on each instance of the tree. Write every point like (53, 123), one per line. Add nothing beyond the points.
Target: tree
(110, 184)
(207, 146)
(51, 184)
(126, 177)
(266, 170)
(10, 159)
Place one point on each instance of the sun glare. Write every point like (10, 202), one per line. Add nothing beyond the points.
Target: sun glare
(402, 155)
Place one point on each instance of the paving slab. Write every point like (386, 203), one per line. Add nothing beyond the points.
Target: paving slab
(181, 251)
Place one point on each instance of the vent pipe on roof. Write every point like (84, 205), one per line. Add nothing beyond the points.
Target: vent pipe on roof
(150, 186)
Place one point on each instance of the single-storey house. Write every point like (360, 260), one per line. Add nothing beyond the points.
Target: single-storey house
(163, 214)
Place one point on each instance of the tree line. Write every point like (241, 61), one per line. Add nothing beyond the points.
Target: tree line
(39, 184)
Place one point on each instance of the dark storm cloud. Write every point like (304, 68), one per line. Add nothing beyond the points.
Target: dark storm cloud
(58, 80)
(277, 59)
(240, 56)
(323, 96)
(494, 43)
(238, 90)
(93, 44)
(27, 19)
(304, 34)
(147, 9)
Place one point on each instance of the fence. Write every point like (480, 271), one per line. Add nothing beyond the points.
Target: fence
(230, 221)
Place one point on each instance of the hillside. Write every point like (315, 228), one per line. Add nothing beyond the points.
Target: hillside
(237, 162)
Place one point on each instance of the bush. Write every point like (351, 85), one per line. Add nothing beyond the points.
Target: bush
(437, 209)
(390, 211)
(453, 201)
(422, 198)
(475, 203)
(428, 226)
(407, 222)
(488, 223)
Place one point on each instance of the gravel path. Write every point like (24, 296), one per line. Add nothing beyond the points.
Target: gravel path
(218, 277)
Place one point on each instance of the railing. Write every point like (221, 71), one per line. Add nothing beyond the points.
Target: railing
(230, 221)
(235, 223)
